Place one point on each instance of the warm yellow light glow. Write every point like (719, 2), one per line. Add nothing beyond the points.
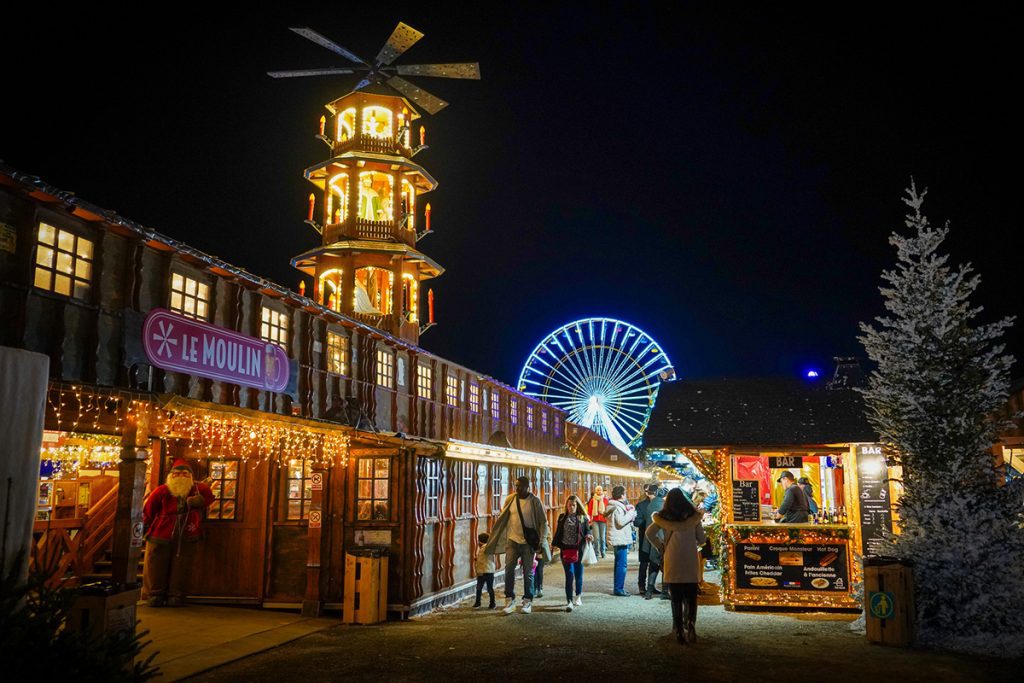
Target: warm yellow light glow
(409, 203)
(377, 122)
(330, 287)
(337, 199)
(376, 192)
(346, 124)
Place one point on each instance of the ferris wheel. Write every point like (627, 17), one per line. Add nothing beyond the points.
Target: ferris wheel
(605, 373)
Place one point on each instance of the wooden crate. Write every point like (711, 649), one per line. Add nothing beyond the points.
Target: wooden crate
(889, 604)
(366, 589)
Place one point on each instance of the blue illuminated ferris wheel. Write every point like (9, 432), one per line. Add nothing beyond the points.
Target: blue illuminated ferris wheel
(605, 373)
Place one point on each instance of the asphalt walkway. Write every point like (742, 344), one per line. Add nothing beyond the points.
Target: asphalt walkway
(625, 637)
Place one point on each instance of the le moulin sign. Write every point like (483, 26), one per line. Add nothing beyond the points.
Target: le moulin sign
(174, 342)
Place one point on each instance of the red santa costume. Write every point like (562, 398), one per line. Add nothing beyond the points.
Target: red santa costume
(173, 516)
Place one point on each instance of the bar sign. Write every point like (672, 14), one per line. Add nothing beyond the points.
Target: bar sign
(786, 462)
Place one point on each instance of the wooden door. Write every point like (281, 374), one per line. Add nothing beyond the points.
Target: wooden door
(288, 530)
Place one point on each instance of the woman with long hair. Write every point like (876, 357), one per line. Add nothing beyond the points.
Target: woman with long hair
(676, 532)
(572, 532)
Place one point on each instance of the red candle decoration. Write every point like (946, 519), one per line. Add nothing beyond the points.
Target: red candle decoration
(312, 205)
(302, 288)
(423, 135)
(430, 306)
(323, 122)
(426, 216)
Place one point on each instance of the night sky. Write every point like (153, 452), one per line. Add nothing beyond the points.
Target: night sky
(723, 179)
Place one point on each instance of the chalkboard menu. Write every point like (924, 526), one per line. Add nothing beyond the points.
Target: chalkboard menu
(792, 567)
(746, 500)
(794, 462)
(873, 490)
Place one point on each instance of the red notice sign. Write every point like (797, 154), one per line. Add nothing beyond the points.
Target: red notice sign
(174, 342)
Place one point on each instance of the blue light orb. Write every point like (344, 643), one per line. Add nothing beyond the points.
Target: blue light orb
(812, 374)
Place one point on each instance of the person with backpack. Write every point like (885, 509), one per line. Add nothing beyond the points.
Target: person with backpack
(572, 533)
(808, 489)
(676, 533)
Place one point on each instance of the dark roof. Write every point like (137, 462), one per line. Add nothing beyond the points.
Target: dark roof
(755, 411)
(594, 447)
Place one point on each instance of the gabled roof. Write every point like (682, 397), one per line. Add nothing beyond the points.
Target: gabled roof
(755, 411)
(594, 447)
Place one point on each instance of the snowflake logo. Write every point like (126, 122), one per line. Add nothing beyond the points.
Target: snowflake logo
(163, 338)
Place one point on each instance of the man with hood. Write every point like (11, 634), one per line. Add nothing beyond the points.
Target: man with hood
(521, 532)
(649, 558)
(620, 515)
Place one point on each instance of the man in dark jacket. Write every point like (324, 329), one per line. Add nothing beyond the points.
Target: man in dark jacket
(654, 501)
(794, 508)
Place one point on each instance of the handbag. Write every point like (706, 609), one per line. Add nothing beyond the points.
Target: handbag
(570, 555)
(589, 555)
(531, 535)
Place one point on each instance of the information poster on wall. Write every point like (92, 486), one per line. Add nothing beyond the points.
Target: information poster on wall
(875, 505)
(801, 567)
(746, 500)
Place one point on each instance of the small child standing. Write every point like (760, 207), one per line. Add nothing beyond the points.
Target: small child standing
(485, 566)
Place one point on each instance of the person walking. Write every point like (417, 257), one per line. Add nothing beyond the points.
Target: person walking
(485, 566)
(572, 532)
(647, 575)
(677, 532)
(521, 531)
(596, 508)
(620, 515)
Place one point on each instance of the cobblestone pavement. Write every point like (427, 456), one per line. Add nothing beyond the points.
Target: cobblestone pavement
(628, 637)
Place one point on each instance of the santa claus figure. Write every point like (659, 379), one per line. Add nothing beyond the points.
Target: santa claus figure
(172, 517)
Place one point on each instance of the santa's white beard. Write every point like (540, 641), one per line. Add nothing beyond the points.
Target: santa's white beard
(179, 485)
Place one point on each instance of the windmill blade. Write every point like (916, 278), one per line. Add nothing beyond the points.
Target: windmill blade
(469, 70)
(294, 73)
(310, 34)
(402, 38)
(417, 94)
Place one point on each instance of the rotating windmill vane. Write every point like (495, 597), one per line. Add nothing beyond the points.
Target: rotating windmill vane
(381, 71)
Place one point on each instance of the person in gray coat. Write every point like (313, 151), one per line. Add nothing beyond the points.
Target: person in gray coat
(522, 518)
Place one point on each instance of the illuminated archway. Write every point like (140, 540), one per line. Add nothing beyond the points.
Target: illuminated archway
(376, 191)
(346, 122)
(330, 289)
(373, 295)
(377, 122)
(337, 199)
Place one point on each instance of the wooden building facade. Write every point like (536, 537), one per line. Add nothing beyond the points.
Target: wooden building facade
(375, 442)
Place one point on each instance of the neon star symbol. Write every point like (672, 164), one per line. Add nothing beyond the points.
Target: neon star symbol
(164, 338)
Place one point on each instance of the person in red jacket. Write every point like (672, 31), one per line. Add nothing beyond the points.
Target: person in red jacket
(596, 508)
(172, 517)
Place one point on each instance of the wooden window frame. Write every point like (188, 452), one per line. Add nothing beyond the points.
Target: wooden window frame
(385, 362)
(46, 265)
(214, 513)
(201, 295)
(339, 348)
(513, 410)
(467, 482)
(529, 416)
(275, 326)
(495, 406)
(432, 489)
(305, 502)
(451, 390)
(373, 499)
(424, 381)
(474, 397)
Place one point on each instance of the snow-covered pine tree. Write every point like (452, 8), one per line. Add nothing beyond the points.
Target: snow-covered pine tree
(941, 377)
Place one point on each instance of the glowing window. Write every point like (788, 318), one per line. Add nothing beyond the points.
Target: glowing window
(385, 369)
(474, 397)
(451, 390)
(467, 480)
(425, 381)
(408, 205)
(63, 262)
(495, 407)
(224, 484)
(274, 327)
(376, 191)
(346, 122)
(373, 488)
(377, 122)
(330, 289)
(190, 297)
(337, 199)
(529, 417)
(373, 290)
(299, 488)
(513, 410)
(337, 353)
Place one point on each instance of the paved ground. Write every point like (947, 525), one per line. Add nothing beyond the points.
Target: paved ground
(628, 637)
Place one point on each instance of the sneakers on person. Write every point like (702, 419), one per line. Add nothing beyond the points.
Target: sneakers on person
(510, 605)
(621, 594)
(648, 594)
(527, 607)
(578, 600)
(538, 593)
(568, 607)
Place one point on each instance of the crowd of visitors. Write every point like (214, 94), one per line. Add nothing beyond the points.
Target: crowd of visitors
(665, 528)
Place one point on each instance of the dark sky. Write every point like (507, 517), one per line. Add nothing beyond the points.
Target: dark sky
(724, 179)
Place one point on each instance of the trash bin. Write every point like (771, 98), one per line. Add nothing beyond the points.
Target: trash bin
(104, 607)
(366, 586)
(889, 601)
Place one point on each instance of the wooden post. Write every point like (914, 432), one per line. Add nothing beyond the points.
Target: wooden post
(312, 603)
(131, 488)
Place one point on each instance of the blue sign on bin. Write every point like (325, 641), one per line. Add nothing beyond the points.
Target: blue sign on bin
(881, 605)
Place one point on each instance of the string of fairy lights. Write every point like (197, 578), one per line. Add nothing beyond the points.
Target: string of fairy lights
(91, 421)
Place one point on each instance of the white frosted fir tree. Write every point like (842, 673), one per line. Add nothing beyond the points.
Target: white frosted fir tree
(941, 379)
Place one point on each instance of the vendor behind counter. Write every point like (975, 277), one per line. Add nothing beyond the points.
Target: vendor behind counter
(795, 508)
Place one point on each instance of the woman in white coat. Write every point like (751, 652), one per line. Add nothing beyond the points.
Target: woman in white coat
(676, 532)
